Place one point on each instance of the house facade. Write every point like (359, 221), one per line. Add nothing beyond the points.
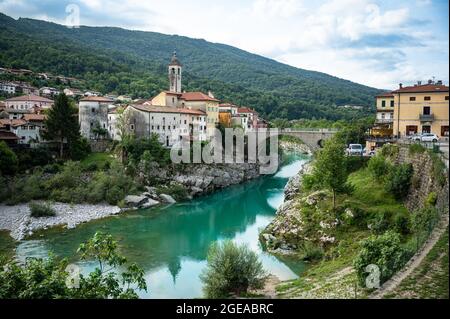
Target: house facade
(93, 115)
(27, 102)
(421, 109)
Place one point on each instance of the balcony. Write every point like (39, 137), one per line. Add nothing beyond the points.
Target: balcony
(384, 121)
(426, 117)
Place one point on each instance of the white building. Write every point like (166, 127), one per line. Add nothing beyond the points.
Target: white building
(8, 87)
(72, 92)
(169, 123)
(93, 114)
(28, 129)
(27, 102)
(48, 91)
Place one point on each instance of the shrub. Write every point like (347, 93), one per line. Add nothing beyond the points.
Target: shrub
(438, 169)
(355, 163)
(8, 160)
(422, 222)
(431, 199)
(32, 157)
(41, 210)
(384, 251)
(378, 167)
(416, 148)
(311, 252)
(389, 150)
(399, 180)
(231, 270)
(401, 223)
(178, 191)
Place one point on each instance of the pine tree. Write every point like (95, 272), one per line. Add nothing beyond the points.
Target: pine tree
(62, 123)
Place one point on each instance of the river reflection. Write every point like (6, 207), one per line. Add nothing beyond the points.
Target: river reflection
(171, 242)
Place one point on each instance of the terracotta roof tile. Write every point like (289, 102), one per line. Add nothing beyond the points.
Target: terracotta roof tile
(34, 117)
(197, 96)
(30, 97)
(426, 88)
(96, 99)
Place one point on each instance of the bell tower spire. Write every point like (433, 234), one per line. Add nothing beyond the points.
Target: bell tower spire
(175, 74)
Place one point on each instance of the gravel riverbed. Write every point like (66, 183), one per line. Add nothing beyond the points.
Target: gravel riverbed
(17, 220)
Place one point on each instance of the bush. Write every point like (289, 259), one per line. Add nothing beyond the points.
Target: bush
(383, 251)
(378, 167)
(231, 270)
(41, 210)
(389, 150)
(311, 252)
(416, 148)
(423, 222)
(399, 180)
(8, 160)
(177, 191)
(355, 163)
(32, 157)
(431, 199)
(402, 223)
(438, 169)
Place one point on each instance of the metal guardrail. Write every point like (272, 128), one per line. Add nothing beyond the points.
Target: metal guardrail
(426, 117)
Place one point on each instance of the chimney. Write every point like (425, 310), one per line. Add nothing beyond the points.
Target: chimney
(401, 85)
(210, 94)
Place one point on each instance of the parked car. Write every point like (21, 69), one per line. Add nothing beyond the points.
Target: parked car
(426, 137)
(355, 149)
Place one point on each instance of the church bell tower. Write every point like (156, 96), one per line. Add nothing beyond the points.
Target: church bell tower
(175, 74)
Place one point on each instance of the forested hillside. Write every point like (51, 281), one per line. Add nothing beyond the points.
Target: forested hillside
(114, 60)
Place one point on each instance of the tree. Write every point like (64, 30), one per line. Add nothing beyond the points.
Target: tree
(330, 169)
(62, 123)
(399, 180)
(231, 270)
(8, 160)
(47, 278)
(385, 252)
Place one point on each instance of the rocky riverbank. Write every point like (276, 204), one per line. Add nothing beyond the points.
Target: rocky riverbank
(17, 220)
(286, 223)
(294, 146)
(199, 179)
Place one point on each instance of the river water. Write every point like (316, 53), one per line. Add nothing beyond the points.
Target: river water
(171, 242)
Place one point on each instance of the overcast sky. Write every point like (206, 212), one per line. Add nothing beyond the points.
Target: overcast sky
(374, 42)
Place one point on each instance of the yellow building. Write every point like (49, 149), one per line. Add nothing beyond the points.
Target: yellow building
(421, 109)
(225, 118)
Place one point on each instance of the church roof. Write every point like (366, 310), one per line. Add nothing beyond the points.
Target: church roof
(174, 60)
(197, 96)
(167, 109)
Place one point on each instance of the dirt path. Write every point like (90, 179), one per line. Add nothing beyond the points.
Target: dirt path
(414, 262)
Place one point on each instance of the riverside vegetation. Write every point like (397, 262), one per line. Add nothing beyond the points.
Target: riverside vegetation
(364, 222)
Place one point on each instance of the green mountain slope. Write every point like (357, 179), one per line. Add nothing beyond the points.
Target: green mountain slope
(134, 62)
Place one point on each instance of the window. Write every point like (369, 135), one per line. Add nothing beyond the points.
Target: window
(157, 127)
(412, 98)
(446, 98)
(427, 98)
(426, 110)
(426, 129)
(132, 126)
(152, 118)
(383, 103)
(153, 127)
(164, 127)
(173, 127)
(93, 110)
(185, 122)
(392, 103)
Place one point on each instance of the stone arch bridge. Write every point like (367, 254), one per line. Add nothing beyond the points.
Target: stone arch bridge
(312, 138)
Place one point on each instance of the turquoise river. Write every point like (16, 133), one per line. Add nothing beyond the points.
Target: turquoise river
(171, 242)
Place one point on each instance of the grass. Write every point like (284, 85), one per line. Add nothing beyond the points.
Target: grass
(96, 161)
(41, 210)
(429, 280)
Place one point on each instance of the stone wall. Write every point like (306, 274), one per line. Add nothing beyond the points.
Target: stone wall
(423, 182)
